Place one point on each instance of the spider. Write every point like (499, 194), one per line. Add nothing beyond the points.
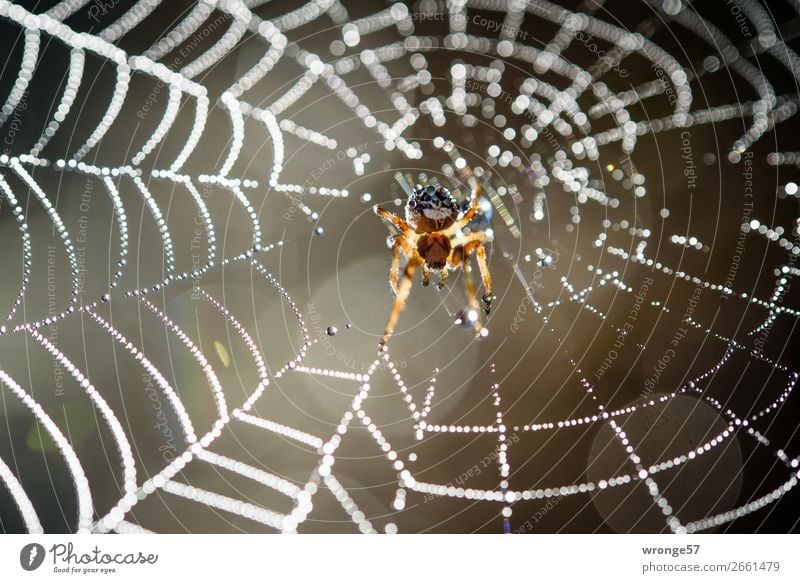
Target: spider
(428, 239)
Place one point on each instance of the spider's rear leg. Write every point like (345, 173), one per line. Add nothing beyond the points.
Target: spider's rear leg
(474, 242)
(453, 262)
(472, 298)
(480, 255)
(400, 300)
(463, 221)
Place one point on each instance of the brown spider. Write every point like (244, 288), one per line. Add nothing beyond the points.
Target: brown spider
(427, 239)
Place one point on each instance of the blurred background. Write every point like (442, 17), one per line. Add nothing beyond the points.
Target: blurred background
(637, 173)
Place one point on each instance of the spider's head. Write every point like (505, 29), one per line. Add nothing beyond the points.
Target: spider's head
(431, 209)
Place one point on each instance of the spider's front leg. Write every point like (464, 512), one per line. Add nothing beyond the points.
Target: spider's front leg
(462, 222)
(403, 290)
(403, 227)
(394, 270)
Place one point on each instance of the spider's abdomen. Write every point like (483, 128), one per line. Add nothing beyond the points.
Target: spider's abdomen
(435, 249)
(431, 209)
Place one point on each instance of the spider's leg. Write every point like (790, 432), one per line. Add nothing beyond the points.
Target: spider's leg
(454, 261)
(397, 222)
(469, 238)
(426, 276)
(400, 300)
(442, 279)
(462, 222)
(480, 255)
(475, 241)
(471, 297)
(394, 270)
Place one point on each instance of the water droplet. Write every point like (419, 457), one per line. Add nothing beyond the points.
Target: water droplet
(462, 319)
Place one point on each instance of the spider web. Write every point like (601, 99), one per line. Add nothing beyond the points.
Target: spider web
(183, 184)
